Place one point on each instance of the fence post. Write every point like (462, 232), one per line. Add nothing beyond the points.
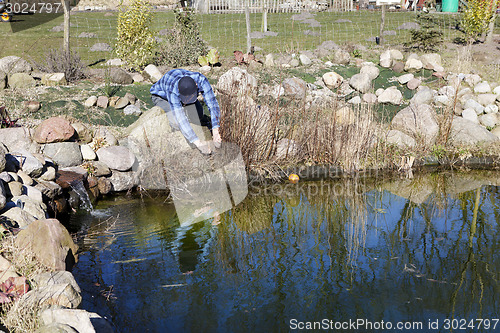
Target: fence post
(382, 23)
(249, 29)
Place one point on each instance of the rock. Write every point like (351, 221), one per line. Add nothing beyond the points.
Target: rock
(398, 67)
(332, 80)
(152, 73)
(116, 157)
(269, 61)
(472, 79)
(54, 129)
(391, 95)
(442, 100)
(418, 121)
(33, 207)
(120, 76)
(3, 196)
(400, 139)
(88, 153)
(31, 106)
(486, 99)
(403, 79)
(355, 100)
(115, 62)
(492, 108)
(56, 328)
(237, 81)
(7, 270)
(4, 175)
(370, 98)
(489, 120)
(81, 320)
(131, 98)
(56, 294)
(123, 181)
(13, 64)
(100, 169)
(25, 179)
(49, 189)
(14, 188)
(101, 47)
(305, 60)
(22, 218)
(121, 103)
(447, 91)
(64, 154)
(344, 116)
(286, 148)
(104, 185)
(294, 87)
(106, 136)
(423, 96)
(465, 132)
(3, 80)
(413, 64)
(431, 61)
(102, 101)
(50, 242)
(3, 161)
(370, 70)
(413, 84)
(83, 133)
(132, 110)
(496, 91)
(54, 79)
(21, 81)
(137, 77)
(341, 57)
(361, 82)
(482, 88)
(472, 104)
(49, 174)
(53, 278)
(29, 163)
(90, 102)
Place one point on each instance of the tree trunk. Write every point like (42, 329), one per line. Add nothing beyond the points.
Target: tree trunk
(65, 4)
(491, 27)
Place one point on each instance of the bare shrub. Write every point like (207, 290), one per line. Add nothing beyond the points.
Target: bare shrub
(60, 61)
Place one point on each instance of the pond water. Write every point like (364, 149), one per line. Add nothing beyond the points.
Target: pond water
(353, 256)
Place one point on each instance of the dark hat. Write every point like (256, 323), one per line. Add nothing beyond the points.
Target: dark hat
(188, 90)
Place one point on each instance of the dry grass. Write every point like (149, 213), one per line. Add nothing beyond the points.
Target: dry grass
(21, 316)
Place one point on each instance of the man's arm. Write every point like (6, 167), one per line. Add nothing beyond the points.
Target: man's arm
(210, 100)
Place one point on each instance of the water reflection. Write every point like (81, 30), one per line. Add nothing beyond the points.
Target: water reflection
(398, 250)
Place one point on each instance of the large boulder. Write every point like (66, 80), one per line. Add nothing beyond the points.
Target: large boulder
(120, 76)
(361, 82)
(63, 294)
(50, 242)
(18, 139)
(466, 132)
(123, 181)
(116, 157)
(418, 121)
(21, 81)
(54, 129)
(81, 320)
(13, 64)
(15, 214)
(432, 61)
(64, 154)
(332, 80)
(31, 165)
(371, 70)
(237, 81)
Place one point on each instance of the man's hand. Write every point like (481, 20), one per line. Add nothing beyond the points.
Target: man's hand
(216, 137)
(203, 147)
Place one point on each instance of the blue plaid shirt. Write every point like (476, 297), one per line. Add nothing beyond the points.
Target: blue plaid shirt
(167, 89)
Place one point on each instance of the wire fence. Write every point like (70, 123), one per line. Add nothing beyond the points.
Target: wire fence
(94, 34)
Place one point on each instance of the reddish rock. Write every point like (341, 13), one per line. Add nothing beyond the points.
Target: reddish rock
(54, 129)
(398, 67)
(66, 178)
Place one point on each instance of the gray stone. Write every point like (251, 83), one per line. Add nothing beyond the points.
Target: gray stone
(355, 100)
(33, 193)
(489, 120)
(35, 208)
(49, 174)
(413, 64)
(432, 61)
(18, 139)
(14, 188)
(486, 99)
(370, 98)
(341, 57)
(294, 87)
(466, 132)
(3, 195)
(332, 80)
(88, 153)
(115, 62)
(64, 154)
(81, 320)
(101, 47)
(448, 91)
(361, 82)
(56, 328)
(418, 121)
(123, 181)
(121, 103)
(4, 175)
(13, 64)
(423, 96)
(237, 81)
(305, 60)
(59, 277)
(442, 100)
(56, 294)
(492, 108)
(403, 79)
(391, 95)
(472, 104)
(3, 80)
(152, 73)
(413, 84)
(386, 59)
(120, 76)
(102, 102)
(100, 169)
(21, 81)
(132, 110)
(104, 134)
(49, 189)
(400, 139)
(25, 179)
(54, 79)
(482, 88)
(116, 157)
(371, 70)
(19, 216)
(28, 163)
(472, 79)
